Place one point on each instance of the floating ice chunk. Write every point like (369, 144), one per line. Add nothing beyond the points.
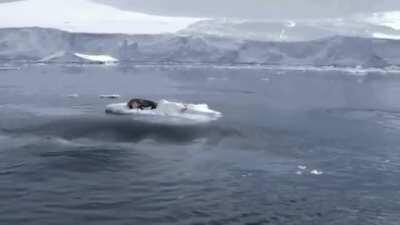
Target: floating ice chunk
(113, 96)
(299, 172)
(316, 172)
(167, 111)
(302, 167)
(97, 58)
(247, 174)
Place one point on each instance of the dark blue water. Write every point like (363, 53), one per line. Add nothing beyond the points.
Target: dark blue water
(293, 147)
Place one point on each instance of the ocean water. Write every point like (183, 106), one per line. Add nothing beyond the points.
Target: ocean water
(292, 147)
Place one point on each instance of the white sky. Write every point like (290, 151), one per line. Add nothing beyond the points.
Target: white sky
(257, 9)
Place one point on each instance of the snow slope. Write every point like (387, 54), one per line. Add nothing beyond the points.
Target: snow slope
(299, 30)
(85, 16)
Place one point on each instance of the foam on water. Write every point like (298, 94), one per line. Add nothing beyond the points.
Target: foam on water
(169, 112)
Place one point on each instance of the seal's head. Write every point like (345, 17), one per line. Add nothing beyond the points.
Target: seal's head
(137, 103)
(133, 104)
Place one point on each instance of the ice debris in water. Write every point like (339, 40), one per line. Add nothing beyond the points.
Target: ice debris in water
(247, 174)
(114, 96)
(316, 172)
(302, 167)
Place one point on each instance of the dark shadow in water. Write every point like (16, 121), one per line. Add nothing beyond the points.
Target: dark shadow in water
(46, 158)
(85, 159)
(126, 130)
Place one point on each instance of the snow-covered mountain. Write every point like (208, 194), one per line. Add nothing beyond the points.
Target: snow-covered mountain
(85, 16)
(89, 16)
(49, 45)
(293, 30)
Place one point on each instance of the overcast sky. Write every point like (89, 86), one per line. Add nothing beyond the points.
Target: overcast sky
(257, 9)
(260, 9)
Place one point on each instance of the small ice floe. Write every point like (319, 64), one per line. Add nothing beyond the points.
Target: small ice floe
(110, 96)
(300, 167)
(387, 161)
(247, 174)
(299, 172)
(316, 172)
(73, 96)
(169, 112)
(104, 59)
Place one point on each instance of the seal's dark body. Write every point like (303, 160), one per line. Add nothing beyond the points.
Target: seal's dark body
(142, 103)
